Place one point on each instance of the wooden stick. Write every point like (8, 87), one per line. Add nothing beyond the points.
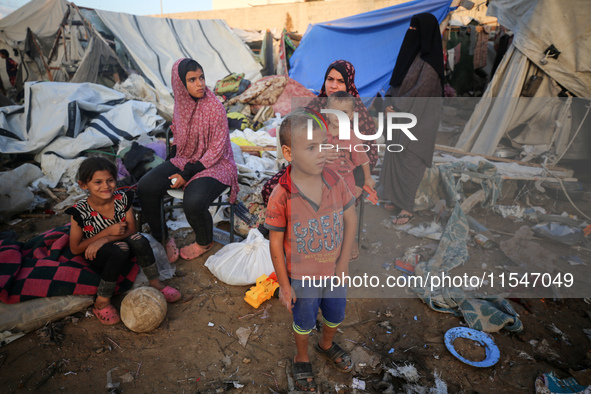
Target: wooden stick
(49, 192)
(535, 178)
(40, 54)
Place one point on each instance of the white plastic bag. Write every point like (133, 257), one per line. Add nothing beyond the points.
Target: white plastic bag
(240, 264)
(165, 269)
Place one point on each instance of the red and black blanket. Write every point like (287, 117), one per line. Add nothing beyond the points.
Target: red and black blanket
(45, 267)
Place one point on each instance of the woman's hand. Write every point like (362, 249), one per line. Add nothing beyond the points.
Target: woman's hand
(179, 183)
(390, 109)
(287, 296)
(117, 229)
(331, 155)
(94, 247)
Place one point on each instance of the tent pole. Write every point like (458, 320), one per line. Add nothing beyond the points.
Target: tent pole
(41, 55)
(57, 37)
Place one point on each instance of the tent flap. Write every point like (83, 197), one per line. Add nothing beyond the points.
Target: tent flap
(370, 41)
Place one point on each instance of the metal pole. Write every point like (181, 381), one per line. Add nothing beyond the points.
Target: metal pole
(161, 7)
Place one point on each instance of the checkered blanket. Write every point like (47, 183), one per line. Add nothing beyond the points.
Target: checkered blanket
(45, 267)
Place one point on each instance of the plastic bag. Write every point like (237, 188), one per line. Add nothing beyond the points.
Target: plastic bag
(240, 264)
(165, 269)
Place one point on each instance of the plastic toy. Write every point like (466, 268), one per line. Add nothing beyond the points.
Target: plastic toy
(372, 195)
(265, 288)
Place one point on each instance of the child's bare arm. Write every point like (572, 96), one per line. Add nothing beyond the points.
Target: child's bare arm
(350, 222)
(278, 258)
(367, 174)
(115, 232)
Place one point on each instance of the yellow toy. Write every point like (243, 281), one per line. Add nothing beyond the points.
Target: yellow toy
(266, 287)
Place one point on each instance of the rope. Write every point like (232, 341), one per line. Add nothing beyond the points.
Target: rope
(565, 192)
(575, 136)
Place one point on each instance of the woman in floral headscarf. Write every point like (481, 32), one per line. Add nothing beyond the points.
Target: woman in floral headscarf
(339, 77)
(203, 164)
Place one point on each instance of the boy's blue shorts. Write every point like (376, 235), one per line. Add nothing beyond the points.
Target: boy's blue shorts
(331, 301)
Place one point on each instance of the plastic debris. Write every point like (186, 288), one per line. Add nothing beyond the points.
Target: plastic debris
(210, 324)
(431, 230)
(565, 338)
(110, 385)
(375, 247)
(514, 211)
(243, 333)
(525, 356)
(559, 232)
(407, 372)
(358, 384)
(548, 383)
(392, 350)
(492, 351)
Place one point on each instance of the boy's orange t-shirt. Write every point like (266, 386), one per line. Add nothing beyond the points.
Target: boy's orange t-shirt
(348, 158)
(313, 234)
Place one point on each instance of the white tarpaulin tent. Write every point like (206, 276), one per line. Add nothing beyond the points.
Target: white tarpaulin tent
(69, 118)
(156, 43)
(545, 121)
(65, 47)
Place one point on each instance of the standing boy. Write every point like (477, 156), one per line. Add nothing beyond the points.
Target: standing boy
(311, 218)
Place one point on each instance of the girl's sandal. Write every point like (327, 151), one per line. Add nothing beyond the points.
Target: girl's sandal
(172, 252)
(171, 294)
(194, 250)
(334, 353)
(107, 315)
(304, 377)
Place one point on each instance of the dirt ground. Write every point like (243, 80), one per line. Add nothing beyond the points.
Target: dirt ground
(188, 354)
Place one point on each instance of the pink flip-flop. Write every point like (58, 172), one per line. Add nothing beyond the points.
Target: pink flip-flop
(171, 294)
(172, 252)
(194, 250)
(107, 315)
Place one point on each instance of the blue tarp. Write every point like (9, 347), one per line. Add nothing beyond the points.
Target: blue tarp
(370, 41)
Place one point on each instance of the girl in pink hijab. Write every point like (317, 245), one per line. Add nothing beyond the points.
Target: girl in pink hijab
(203, 164)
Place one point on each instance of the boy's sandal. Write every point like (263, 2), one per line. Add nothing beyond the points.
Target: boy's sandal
(194, 250)
(172, 252)
(334, 353)
(301, 373)
(171, 294)
(107, 315)
(402, 217)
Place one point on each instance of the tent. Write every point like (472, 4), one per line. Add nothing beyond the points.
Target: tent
(154, 44)
(370, 41)
(54, 43)
(551, 44)
(58, 41)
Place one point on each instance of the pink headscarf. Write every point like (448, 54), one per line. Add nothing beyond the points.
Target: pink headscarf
(200, 130)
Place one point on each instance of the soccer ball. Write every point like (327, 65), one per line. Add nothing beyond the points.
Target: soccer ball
(143, 309)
